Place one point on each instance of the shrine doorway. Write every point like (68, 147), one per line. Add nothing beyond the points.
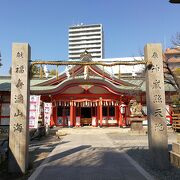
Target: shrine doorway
(86, 116)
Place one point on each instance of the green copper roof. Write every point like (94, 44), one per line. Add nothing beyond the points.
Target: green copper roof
(139, 84)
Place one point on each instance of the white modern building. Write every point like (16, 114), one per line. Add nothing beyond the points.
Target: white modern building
(86, 37)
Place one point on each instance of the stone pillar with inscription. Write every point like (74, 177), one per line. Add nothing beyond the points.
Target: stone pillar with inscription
(19, 113)
(155, 100)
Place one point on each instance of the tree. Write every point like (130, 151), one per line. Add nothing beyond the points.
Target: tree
(35, 70)
(172, 74)
(52, 72)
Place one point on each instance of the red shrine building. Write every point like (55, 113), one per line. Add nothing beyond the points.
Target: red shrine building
(88, 95)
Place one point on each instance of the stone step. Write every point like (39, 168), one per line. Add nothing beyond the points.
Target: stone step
(176, 147)
(175, 159)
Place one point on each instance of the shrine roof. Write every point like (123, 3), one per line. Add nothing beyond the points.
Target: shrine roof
(139, 84)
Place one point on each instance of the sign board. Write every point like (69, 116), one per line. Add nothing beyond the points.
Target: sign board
(34, 111)
(47, 113)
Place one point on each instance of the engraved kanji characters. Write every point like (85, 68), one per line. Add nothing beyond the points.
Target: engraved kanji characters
(19, 69)
(158, 112)
(157, 99)
(19, 113)
(18, 127)
(155, 68)
(159, 127)
(155, 55)
(19, 84)
(19, 55)
(156, 84)
(19, 98)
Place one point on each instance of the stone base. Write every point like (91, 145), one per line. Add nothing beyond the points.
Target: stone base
(176, 148)
(175, 154)
(178, 138)
(136, 126)
(175, 159)
(60, 133)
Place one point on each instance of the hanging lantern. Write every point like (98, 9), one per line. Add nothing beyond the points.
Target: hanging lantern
(123, 108)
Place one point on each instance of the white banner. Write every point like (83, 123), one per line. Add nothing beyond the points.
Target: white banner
(34, 111)
(47, 113)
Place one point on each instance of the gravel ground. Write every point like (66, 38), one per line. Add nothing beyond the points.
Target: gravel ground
(136, 146)
(142, 156)
(38, 151)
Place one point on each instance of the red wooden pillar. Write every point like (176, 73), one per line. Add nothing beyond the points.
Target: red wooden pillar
(71, 114)
(74, 110)
(120, 118)
(97, 119)
(97, 116)
(100, 111)
(117, 114)
(54, 117)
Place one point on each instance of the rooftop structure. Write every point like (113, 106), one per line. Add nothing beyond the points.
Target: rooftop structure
(86, 37)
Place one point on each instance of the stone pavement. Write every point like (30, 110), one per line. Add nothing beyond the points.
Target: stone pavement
(87, 154)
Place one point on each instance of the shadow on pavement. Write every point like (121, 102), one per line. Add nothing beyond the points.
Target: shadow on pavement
(143, 157)
(68, 152)
(91, 163)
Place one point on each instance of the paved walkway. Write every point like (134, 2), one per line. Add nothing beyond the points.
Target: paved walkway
(88, 155)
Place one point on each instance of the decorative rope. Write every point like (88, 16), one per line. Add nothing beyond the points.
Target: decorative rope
(84, 63)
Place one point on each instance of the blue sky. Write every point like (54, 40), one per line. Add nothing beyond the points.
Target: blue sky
(128, 25)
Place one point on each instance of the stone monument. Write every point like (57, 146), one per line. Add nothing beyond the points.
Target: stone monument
(155, 100)
(19, 111)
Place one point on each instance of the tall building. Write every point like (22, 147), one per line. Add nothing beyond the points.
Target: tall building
(86, 37)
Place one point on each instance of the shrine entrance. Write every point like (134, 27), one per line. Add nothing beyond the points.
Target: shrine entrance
(90, 72)
(86, 116)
